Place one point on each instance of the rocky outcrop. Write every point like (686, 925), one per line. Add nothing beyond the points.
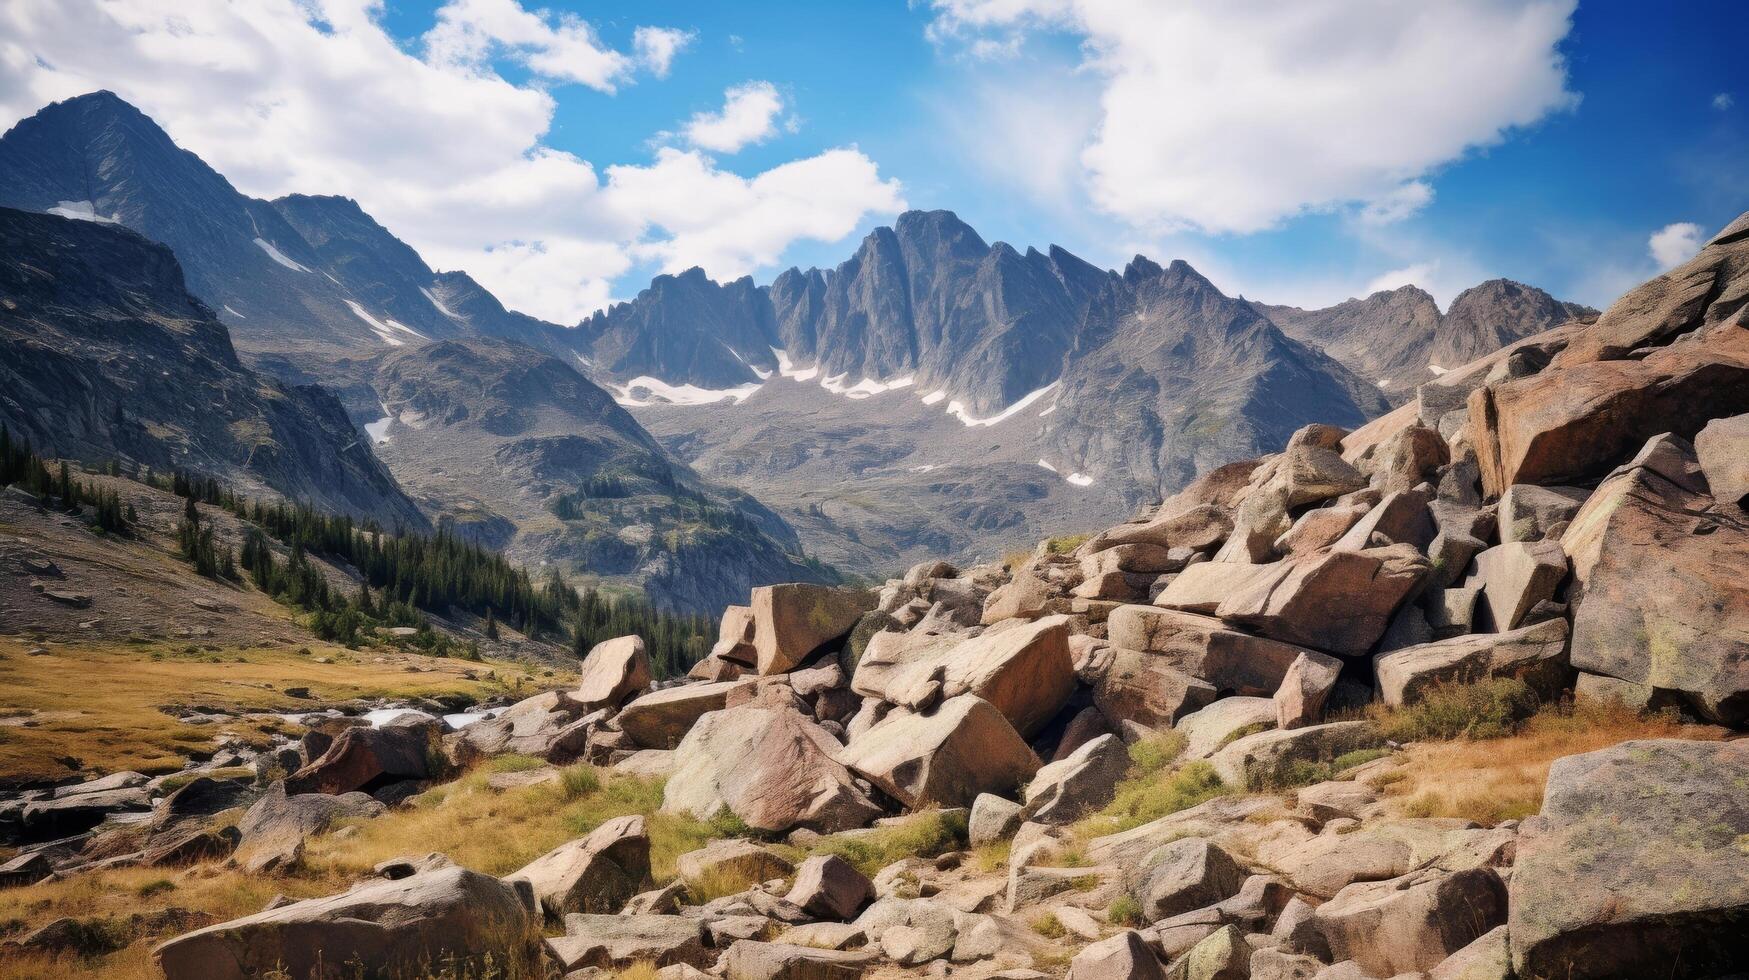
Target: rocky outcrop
(790, 622)
(275, 828)
(370, 758)
(770, 766)
(946, 756)
(1637, 853)
(593, 874)
(613, 671)
(385, 927)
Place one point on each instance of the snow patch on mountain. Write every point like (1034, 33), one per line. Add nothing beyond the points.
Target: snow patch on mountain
(384, 329)
(280, 257)
(446, 311)
(82, 211)
(958, 410)
(658, 392)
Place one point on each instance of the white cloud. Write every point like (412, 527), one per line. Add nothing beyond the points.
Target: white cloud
(1675, 244)
(1234, 115)
(657, 46)
(1396, 205)
(314, 96)
(1723, 101)
(1419, 274)
(749, 115)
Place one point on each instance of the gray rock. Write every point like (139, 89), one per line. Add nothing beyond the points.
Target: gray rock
(1066, 790)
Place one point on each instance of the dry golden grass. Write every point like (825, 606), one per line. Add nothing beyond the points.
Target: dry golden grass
(1496, 779)
(101, 704)
(719, 881)
(476, 826)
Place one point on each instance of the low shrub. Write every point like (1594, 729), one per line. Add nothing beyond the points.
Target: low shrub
(1491, 708)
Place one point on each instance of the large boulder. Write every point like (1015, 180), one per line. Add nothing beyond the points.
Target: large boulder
(1528, 512)
(1202, 587)
(1578, 420)
(829, 887)
(1537, 654)
(751, 960)
(1663, 603)
(548, 726)
(1514, 577)
(1207, 729)
(1186, 875)
(1028, 595)
(660, 719)
(1723, 448)
(1274, 758)
(1411, 923)
(1299, 701)
(1126, 955)
(1636, 865)
(1206, 647)
(769, 765)
(1024, 670)
(387, 928)
(946, 756)
(616, 941)
(1337, 601)
(370, 758)
(1145, 688)
(595, 873)
(1198, 527)
(792, 621)
(1082, 782)
(613, 671)
(274, 829)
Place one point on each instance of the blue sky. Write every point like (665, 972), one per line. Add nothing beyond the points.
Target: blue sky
(1299, 153)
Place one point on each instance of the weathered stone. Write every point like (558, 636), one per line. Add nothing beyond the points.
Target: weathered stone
(993, 819)
(1488, 958)
(1527, 511)
(1223, 955)
(1334, 800)
(1206, 730)
(1585, 417)
(1186, 875)
(828, 887)
(44, 820)
(1514, 577)
(947, 757)
(1198, 527)
(1028, 595)
(1407, 458)
(1144, 688)
(1319, 528)
(1310, 474)
(613, 671)
(1411, 923)
(1388, 849)
(1270, 758)
(1272, 963)
(1401, 517)
(1451, 612)
(772, 767)
(660, 719)
(1723, 449)
(25, 869)
(792, 621)
(750, 960)
(1299, 701)
(451, 915)
(1204, 647)
(1663, 602)
(732, 857)
(546, 726)
(611, 941)
(276, 826)
(594, 874)
(1637, 853)
(1536, 654)
(1024, 671)
(1125, 956)
(369, 758)
(1340, 601)
(1066, 790)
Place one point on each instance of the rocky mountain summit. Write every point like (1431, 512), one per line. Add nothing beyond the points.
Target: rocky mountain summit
(1175, 748)
(109, 356)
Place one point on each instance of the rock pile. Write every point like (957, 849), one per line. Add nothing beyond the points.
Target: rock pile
(1567, 511)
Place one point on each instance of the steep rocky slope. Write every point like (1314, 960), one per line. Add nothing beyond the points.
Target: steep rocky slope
(518, 450)
(107, 355)
(1399, 338)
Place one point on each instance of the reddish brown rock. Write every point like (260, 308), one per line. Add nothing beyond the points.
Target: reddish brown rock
(1206, 647)
(613, 671)
(1537, 654)
(792, 621)
(1515, 577)
(1145, 688)
(1338, 601)
(946, 757)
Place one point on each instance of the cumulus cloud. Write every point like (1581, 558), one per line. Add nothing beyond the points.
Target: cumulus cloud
(749, 115)
(1234, 115)
(657, 46)
(1675, 244)
(1419, 274)
(1723, 101)
(315, 96)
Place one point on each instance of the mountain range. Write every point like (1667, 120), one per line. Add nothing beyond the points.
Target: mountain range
(932, 394)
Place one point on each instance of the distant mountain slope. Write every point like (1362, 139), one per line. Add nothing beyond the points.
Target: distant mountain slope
(311, 276)
(524, 453)
(107, 354)
(1400, 339)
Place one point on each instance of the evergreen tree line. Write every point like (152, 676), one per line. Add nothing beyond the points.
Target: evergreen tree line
(674, 642)
(20, 465)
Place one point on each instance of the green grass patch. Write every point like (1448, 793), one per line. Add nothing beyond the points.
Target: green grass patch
(1147, 795)
(1492, 708)
(514, 763)
(925, 834)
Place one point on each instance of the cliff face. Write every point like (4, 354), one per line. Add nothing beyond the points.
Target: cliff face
(107, 355)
